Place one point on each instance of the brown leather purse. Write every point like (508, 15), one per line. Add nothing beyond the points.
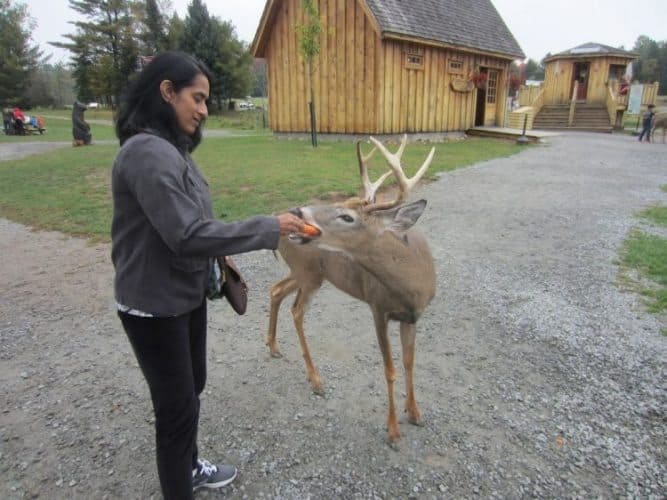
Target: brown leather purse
(234, 288)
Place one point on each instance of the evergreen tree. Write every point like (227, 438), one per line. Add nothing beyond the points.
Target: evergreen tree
(533, 70)
(652, 63)
(104, 48)
(154, 34)
(175, 30)
(18, 58)
(260, 78)
(215, 43)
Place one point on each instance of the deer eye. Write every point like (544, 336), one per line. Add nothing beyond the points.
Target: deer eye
(346, 218)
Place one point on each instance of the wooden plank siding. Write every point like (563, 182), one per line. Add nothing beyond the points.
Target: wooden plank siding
(558, 78)
(361, 81)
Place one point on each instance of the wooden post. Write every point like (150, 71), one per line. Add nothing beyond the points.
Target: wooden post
(573, 103)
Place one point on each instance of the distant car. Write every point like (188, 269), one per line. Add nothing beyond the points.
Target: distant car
(93, 105)
(245, 105)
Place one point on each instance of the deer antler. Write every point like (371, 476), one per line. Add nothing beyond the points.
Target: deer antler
(370, 188)
(405, 183)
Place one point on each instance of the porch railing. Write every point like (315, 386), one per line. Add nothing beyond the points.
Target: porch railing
(528, 109)
(573, 103)
(612, 104)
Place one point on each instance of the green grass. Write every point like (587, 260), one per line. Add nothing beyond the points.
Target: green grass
(59, 129)
(648, 254)
(255, 119)
(657, 215)
(68, 190)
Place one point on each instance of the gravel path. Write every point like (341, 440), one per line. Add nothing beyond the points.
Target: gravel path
(537, 376)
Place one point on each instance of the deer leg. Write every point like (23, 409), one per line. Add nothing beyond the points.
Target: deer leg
(408, 334)
(298, 312)
(278, 292)
(393, 434)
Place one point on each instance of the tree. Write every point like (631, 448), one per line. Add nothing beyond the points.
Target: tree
(652, 63)
(309, 44)
(215, 43)
(175, 30)
(533, 70)
(50, 86)
(104, 47)
(18, 58)
(234, 67)
(154, 35)
(260, 79)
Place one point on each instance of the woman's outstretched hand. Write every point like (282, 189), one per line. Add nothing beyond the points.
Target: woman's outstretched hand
(290, 224)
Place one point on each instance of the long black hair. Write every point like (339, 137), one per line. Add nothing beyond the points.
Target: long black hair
(143, 108)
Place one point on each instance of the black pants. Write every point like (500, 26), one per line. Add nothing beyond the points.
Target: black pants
(172, 356)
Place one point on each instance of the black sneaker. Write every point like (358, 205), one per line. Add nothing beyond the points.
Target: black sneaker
(207, 475)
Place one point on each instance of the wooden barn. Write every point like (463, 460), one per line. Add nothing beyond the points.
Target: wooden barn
(388, 66)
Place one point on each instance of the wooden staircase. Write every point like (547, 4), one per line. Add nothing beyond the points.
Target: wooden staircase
(587, 117)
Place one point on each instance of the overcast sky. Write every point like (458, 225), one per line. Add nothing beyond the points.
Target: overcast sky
(540, 26)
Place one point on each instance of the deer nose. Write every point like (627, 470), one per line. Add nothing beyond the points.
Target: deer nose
(296, 211)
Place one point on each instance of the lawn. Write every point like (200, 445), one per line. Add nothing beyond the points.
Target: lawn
(68, 190)
(59, 129)
(647, 255)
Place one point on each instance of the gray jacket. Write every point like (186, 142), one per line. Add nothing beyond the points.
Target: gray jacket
(163, 230)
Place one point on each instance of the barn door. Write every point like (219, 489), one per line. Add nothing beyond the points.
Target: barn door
(580, 74)
(491, 97)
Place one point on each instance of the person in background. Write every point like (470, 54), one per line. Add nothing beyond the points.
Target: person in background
(164, 236)
(19, 121)
(647, 123)
(6, 120)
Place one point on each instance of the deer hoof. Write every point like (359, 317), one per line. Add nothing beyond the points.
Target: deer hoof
(393, 441)
(275, 353)
(416, 421)
(318, 389)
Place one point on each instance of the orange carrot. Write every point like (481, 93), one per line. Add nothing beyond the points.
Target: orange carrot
(310, 230)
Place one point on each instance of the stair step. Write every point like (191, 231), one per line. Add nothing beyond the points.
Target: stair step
(587, 117)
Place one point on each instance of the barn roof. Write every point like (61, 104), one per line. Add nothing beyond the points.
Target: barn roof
(464, 24)
(592, 49)
(471, 24)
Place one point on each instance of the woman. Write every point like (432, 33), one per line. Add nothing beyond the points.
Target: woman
(163, 238)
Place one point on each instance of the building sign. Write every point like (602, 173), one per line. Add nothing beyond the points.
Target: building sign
(635, 98)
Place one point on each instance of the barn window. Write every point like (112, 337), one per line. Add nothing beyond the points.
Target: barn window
(492, 87)
(456, 66)
(414, 57)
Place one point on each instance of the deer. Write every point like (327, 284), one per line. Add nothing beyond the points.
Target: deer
(660, 121)
(369, 250)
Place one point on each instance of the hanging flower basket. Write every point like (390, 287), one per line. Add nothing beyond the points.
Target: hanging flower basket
(478, 79)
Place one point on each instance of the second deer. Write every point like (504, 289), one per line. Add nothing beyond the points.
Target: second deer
(660, 121)
(371, 251)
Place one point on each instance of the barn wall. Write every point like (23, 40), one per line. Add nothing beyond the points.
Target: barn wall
(362, 84)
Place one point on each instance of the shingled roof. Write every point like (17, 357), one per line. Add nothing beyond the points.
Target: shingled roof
(464, 24)
(592, 49)
(472, 24)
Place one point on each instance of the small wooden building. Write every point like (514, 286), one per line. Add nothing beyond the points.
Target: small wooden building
(591, 66)
(388, 66)
(584, 88)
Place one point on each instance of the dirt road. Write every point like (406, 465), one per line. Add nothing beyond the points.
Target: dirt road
(535, 374)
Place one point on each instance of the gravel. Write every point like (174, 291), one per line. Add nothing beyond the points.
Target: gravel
(537, 375)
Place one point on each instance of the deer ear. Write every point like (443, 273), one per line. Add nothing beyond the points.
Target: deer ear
(403, 217)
